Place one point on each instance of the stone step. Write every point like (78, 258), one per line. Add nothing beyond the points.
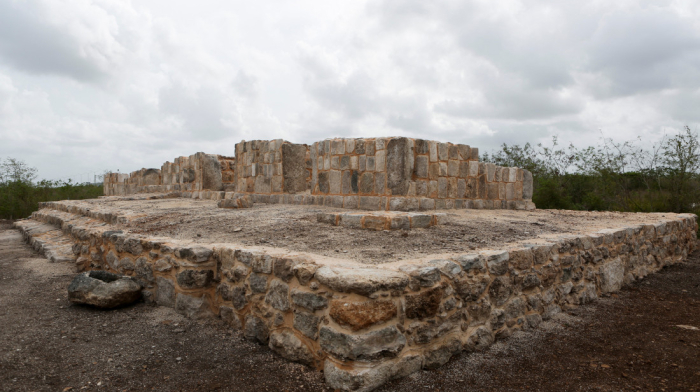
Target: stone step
(47, 239)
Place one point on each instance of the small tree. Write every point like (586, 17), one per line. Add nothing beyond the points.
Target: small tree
(681, 158)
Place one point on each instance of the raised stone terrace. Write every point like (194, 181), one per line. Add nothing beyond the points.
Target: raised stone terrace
(367, 258)
(366, 306)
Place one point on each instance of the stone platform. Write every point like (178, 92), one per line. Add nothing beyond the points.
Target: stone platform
(381, 220)
(329, 297)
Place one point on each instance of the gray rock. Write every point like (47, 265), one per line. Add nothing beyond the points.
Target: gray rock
(612, 274)
(195, 279)
(133, 246)
(211, 173)
(363, 281)
(480, 339)
(383, 343)
(290, 347)
(497, 262)
(294, 167)
(471, 262)
(398, 168)
(229, 316)
(361, 379)
(470, 289)
(240, 201)
(256, 329)
(283, 268)
(165, 292)
(143, 271)
(307, 324)
(192, 307)
(238, 297)
(533, 320)
(500, 291)
(103, 289)
(527, 185)
(308, 300)
(425, 276)
(447, 267)
(304, 272)
(439, 356)
(258, 283)
(278, 295)
(196, 254)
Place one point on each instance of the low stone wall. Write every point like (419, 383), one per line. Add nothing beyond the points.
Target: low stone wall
(382, 220)
(365, 325)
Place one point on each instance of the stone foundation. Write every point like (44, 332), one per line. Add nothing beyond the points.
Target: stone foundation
(382, 220)
(363, 324)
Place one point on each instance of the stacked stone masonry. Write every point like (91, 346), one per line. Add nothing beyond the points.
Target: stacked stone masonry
(362, 324)
(396, 173)
(186, 174)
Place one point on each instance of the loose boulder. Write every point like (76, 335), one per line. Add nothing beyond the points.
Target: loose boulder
(103, 289)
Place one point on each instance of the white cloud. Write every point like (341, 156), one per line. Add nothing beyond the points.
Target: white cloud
(87, 85)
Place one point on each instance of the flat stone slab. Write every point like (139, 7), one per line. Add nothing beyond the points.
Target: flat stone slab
(382, 220)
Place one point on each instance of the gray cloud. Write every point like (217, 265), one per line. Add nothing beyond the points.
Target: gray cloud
(131, 84)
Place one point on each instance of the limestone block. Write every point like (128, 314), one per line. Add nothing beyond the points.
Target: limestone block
(382, 343)
(363, 281)
(361, 315)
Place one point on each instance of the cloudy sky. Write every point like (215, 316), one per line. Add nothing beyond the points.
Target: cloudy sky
(94, 85)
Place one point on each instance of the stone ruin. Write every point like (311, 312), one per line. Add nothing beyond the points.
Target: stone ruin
(363, 324)
(398, 174)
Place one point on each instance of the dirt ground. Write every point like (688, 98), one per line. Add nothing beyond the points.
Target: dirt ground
(296, 228)
(628, 342)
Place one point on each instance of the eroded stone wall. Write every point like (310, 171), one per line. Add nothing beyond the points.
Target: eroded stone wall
(365, 325)
(272, 167)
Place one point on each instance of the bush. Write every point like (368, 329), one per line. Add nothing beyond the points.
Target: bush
(20, 195)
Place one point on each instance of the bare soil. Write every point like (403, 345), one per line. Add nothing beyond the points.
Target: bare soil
(296, 228)
(628, 342)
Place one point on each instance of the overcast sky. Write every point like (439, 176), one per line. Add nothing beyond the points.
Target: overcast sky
(94, 85)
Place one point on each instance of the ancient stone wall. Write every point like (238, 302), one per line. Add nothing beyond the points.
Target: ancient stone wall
(409, 174)
(272, 167)
(185, 174)
(365, 325)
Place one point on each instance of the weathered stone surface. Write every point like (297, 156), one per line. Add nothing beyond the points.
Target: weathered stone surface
(228, 315)
(307, 324)
(611, 276)
(278, 295)
(424, 276)
(192, 307)
(283, 268)
(363, 281)
(143, 271)
(238, 298)
(423, 305)
(479, 339)
(497, 262)
(447, 267)
(361, 315)
(471, 289)
(288, 346)
(308, 300)
(195, 279)
(258, 283)
(211, 173)
(240, 201)
(439, 355)
(165, 293)
(368, 379)
(527, 185)
(256, 329)
(398, 167)
(294, 167)
(471, 262)
(195, 254)
(383, 343)
(103, 289)
(304, 272)
(499, 291)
